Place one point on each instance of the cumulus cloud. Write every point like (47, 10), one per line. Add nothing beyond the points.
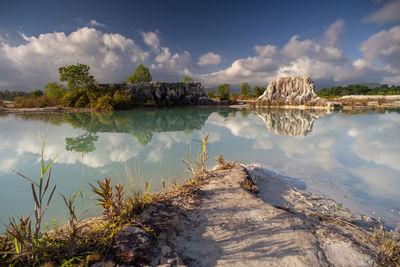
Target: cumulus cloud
(113, 57)
(321, 58)
(384, 47)
(152, 40)
(209, 58)
(36, 62)
(388, 13)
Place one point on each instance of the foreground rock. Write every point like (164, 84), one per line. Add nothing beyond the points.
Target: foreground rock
(280, 226)
(290, 91)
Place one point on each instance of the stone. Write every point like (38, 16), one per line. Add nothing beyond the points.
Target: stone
(165, 93)
(132, 246)
(290, 91)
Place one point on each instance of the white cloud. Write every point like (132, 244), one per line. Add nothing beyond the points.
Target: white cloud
(321, 58)
(384, 47)
(36, 62)
(95, 23)
(209, 58)
(152, 40)
(388, 13)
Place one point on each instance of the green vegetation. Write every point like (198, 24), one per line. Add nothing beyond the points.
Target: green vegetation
(245, 89)
(7, 95)
(55, 90)
(223, 91)
(81, 243)
(187, 79)
(358, 89)
(141, 74)
(258, 91)
(198, 167)
(77, 76)
(211, 94)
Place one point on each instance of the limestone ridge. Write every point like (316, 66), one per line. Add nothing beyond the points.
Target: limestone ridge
(166, 93)
(290, 122)
(290, 91)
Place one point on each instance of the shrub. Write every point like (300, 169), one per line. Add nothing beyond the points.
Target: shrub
(258, 91)
(82, 102)
(77, 98)
(211, 94)
(104, 103)
(234, 97)
(249, 96)
(121, 100)
(37, 102)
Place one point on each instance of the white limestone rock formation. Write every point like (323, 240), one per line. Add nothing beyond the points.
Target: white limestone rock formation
(290, 91)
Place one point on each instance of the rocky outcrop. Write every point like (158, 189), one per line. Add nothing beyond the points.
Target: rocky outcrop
(290, 122)
(165, 93)
(290, 91)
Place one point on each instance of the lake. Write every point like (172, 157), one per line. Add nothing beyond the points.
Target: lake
(351, 157)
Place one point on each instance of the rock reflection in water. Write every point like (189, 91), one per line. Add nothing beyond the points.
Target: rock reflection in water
(289, 121)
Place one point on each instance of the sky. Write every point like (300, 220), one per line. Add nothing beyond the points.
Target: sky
(334, 42)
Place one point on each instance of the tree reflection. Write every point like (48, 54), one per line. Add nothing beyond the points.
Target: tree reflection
(83, 143)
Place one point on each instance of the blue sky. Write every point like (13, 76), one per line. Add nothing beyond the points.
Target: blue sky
(334, 42)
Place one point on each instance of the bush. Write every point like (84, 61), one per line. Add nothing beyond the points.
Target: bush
(37, 93)
(258, 91)
(121, 100)
(104, 103)
(211, 94)
(234, 97)
(37, 102)
(82, 102)
(77, 98)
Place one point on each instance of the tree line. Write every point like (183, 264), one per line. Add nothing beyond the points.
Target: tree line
(78, 88)
(223, 92)
(358, 89)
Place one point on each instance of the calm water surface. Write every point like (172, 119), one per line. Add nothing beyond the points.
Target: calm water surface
(352, 158)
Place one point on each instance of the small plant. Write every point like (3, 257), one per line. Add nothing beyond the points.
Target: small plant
(388, 245)
(70, 203)
(222, 164)
(106, 196)
(198, 167)
(20, 230)
(40, 189)
(5, 247)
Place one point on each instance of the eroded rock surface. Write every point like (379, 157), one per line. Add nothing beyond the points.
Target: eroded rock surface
(165, 93)
(233, 227)
(290, 91)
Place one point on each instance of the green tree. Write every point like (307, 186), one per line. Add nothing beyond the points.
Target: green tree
(223, 91)
(258, 90)
(76, 76)
(37, 93)
(245, 89)
(211, 94)
(141, 74)
(187, 79)
(55, 90)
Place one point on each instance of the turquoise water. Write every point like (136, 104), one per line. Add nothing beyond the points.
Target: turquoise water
(352, 158)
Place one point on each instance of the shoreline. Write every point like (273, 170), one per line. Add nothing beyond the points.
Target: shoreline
(235, 215)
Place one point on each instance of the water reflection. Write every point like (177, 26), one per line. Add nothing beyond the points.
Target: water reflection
(290, 122)
(351, 157)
